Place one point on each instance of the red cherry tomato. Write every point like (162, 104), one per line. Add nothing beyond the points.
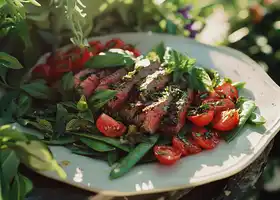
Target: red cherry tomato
(114, 43)
(78, 56)
(201, 96)
(201, 116)
(228, 90)
(219, 104)
(204, 138)
(132, 49)
(167, 155)
(96, 47)
(186, 146)
(41, 71)
(110, 127)
(226, 120)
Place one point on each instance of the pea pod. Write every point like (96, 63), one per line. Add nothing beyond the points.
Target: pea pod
(113, 156)
(111, 141)
(133, 157)
(245, 111)
(256, 119)
(97, 145)
(60, 141)
(239, 85)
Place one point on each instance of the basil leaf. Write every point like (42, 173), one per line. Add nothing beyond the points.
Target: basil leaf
(113, 157)
(9, 61)
(256, 119)
(97, 145)
(159, 50)
(200, 80)
(61, 118)
(67, 81)
(86, 115)
(100, 98)
(23, 105)
(215, 76)
(37, 156)
(38, 89)
(109, 59)
(69, 104)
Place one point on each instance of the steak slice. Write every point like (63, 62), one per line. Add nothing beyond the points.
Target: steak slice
(80, 76)
(155, 112)
(112, 78)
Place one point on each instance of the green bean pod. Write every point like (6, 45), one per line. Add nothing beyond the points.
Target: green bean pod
(133, 157)
(245, 111)
(256, 119)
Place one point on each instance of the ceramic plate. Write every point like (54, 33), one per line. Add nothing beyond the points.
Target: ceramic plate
(224, 161)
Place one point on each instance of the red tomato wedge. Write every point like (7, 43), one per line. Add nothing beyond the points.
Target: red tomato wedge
(202, 119)
(186, 146)
(110, 127)
(78, 57)
(226, 120)
(204, 138)
(167, 155)
(202, 96)
(219, 104)
(228, 90)
(96, 47)
(115, 43)
(41, 71)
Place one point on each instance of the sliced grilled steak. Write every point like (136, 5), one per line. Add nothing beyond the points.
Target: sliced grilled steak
(154, 82)
(113, 78)
(130, 111)
(89, 85)
(79, 77)
(155, 112)
(176, 117)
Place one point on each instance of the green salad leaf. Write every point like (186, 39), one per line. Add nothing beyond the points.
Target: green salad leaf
(38, 89)
(100, 98)
(9, 61)
(67, 81)
(200, 80)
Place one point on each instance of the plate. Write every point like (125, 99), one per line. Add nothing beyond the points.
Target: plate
(222, 162)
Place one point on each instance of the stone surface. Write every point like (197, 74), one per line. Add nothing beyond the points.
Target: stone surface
(233, 188)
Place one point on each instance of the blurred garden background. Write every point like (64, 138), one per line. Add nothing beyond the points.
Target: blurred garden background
(27, 30)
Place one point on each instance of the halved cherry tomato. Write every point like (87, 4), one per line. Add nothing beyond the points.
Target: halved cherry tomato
(186, 146)
(226, 120)
(201, 116)
(228, 90)
(96, 47)
(110, 127)
(219, 104)
(204, 138)
(132, 49)
(41, 71)
(78, 56)
(167, 155)
(201, 96)
(114, 43)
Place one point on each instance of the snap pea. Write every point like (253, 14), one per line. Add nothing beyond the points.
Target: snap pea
(111, 141)
(133, 157)
(97, 145)
(239, 85)
(256, 119)
(60, 141)
(112, 157)
(245, 111)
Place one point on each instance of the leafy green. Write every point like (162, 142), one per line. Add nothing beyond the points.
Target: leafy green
(78, 125)
(239, 85)
(38, 89)
(67, 81)
(200, 80)
(23, 105)
(215, 76)
(20, 187)
(256, 119)
(40, 124)
(9, 61)
(113, 157)
(9, 132)
(159, 51)
(61, 141)
(110, 59)
(97, 145)
(61, 119)
(86, 115)
(100, 98)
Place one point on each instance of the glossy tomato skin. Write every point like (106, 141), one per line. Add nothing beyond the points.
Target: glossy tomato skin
(219, 105)
(41, 71)
(202, 96)
(228, 90)
(132, 49)
(115, 43)
(204, 138)
(167, 155)
(187, 147)
(78, 56)
(202, 119)
(110, 127)
(96, 47)
(226, 120)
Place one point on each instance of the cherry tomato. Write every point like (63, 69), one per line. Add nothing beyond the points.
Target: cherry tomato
(219, 104)
(201, 96)
(228, 90)
(114, 43)
(96, 47)
(110, 127)
(204, 138)
(167, 155)
(226, 120)
(132, 49)
(187, 146)
(78, 56)
(41, 71)
(202, 119)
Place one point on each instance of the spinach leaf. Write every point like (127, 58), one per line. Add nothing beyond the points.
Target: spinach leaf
(68, 81)
(200, 80)
(61, 141)
(24, 103)
(100, 98)
(9, 61)
(86, 115)
(20, 187)
(61, 118)
(110, 59)
(3, 74)
(69, 104)
(38, 89)
(215, 76)
(97, 145)
(256, 119)
(9, 132)
(42, 125)
(113, 157)
(78, 125)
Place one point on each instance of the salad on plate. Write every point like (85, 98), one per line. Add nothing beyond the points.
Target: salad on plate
(110, 102)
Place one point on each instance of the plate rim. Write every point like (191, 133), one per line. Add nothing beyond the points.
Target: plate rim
(245, 162)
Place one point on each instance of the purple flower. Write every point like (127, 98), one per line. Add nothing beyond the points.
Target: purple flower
(193, 34)
(189, 26)
(185, 11)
